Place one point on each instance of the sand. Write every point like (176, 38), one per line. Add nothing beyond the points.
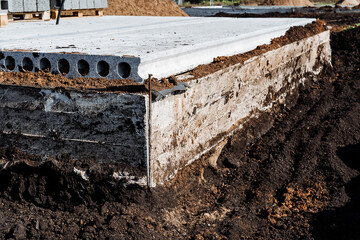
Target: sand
(305, 3)
(143, 8)
(348, 2)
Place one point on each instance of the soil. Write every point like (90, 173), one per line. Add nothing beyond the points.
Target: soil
(348, 2)
(305, 3)
(143, 8)
(328, 15)
(48, 80)
(299, 181)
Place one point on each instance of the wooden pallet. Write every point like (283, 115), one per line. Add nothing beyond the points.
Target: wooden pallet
(3, 20)
(29, 16)
(77, 13)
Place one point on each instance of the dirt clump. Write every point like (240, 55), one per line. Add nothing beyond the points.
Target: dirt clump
(143, 8)
(305, 3)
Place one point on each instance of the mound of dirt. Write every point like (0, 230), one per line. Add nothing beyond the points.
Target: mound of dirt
(305, 3)
(143, 8)
(348, 2)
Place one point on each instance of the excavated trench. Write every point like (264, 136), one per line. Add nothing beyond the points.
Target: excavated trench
(300, 180)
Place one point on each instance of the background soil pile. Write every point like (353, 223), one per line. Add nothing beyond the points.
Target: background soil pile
(348, 2)
(301, 180)
(143, 8)
(305, 3)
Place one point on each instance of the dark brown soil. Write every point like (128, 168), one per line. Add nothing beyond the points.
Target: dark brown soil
(44, 79)
(301, 180)
(330, 16)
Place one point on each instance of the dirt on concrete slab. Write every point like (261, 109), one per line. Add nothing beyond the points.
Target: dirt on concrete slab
(299, 181)
(292, 35)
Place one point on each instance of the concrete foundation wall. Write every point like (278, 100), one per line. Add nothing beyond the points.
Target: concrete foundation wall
(114, 126)
(108, 126)
(187, 125)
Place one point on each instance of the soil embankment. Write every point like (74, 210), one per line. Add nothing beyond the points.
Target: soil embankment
(143, 8)
(304, 3)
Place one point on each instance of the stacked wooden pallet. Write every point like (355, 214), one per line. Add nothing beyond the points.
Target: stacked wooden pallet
(77, 8)
(11, 10)
(76, 13)
(3, 19)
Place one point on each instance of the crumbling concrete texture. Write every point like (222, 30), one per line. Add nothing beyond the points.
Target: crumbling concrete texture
(79, 4)
(20, 6)
(72, 65)
(185, 126)
(165, 45)
(52, 122)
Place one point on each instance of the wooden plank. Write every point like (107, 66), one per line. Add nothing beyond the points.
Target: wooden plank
(28, 16)
(99, 13)
(3, 20)
(75, 13)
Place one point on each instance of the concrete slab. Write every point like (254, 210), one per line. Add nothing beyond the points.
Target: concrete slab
(164, 45)
(179, 129)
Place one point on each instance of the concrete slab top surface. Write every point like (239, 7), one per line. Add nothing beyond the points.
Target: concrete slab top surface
(165, 45)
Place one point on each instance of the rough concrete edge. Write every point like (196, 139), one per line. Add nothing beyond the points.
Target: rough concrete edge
(232, 131)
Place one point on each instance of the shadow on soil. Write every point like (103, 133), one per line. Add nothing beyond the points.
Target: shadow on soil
(343, 222)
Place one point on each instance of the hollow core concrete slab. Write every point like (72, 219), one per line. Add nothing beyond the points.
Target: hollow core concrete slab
(163, 45)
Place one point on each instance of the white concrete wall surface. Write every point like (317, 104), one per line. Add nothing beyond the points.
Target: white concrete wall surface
(187, 125)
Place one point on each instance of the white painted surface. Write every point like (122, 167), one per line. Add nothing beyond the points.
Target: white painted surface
(166, 45)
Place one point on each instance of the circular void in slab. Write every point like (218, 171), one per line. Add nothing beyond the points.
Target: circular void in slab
(45, 65)
(27, 64)
(83, 67)
(103, 68)
(9, 63)
(124, 69)
(64, 66)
